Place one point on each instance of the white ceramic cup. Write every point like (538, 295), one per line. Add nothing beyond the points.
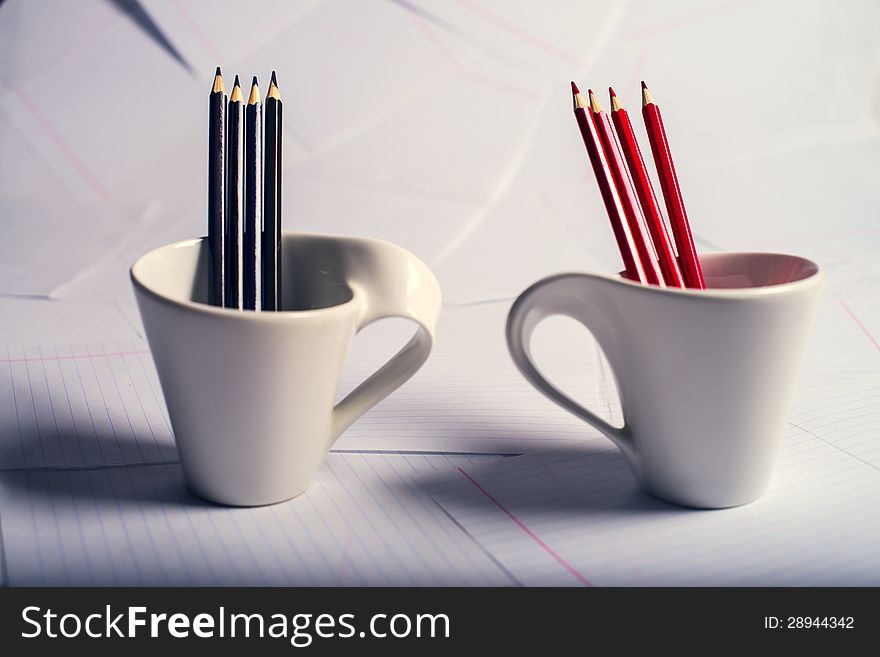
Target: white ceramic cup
(251, 394)
(705, 377)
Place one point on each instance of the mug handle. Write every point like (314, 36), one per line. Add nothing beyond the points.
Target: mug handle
(547, 298)
(410, 293)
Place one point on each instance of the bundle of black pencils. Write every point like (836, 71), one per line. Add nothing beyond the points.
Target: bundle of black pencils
(244, 197)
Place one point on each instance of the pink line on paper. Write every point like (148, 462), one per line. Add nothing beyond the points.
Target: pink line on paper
(519, 523)
(520, 33)
(463, 71)
(38, 359)
(860, 325)
(200, 35)
(687, 19)
(65, 149)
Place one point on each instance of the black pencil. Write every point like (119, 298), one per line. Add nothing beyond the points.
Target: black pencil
(234, 196)
(216, 192)
(253, 199)
(271, 253)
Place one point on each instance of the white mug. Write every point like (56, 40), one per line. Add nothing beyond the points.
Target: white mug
(251, 394)
(705, 377)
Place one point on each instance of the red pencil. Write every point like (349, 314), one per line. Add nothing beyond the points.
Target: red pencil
(628, 251)
(681, 230)
(645, 191)
(626, 190)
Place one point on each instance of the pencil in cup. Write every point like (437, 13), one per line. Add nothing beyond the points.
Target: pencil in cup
(253, 200)
(645, 192)
(627, 193)
(631, 262)
(234, 197)
(271, 249)
(681, 231)
(216, 188)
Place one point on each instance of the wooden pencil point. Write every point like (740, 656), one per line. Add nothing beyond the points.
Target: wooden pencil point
(579, 101)
(236, 95)
(594, 102)
(218, 83)
(647, 98)
(615, 104)
(254, 98)
(273, 91)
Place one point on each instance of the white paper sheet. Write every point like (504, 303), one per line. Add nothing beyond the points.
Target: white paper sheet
(569, 518)
(100, 403)
(363, 522)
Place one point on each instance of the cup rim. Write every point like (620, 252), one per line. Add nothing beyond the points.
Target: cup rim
(812, 280)
(274, 315)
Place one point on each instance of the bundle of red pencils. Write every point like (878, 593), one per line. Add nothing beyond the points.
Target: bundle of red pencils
(641, 233)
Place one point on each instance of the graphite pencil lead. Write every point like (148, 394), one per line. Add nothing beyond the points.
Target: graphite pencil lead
(235, 96)
(615, 104)
(254, 98)
(217, 72)
(218, 83)
(594, 102)
(273, 80)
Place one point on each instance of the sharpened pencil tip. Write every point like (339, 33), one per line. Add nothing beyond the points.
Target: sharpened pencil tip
(574, 88)
(218, 83)
(254, 98)
(594, 102)
(644, 86)
(273, 89)
(235, 96)
(615, 103)
(647, 98)
(217, 72)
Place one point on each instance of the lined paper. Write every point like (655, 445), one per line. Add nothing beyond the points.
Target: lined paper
(470, 397)
(87, 405)
(363, 522)
(33, 322)
(75, 406)
(577, 518)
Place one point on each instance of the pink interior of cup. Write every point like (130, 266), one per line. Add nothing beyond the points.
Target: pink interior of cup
(737, 271)
(747, 270)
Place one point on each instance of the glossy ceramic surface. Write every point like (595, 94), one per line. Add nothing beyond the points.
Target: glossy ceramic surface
(705, 377)
(251, 394)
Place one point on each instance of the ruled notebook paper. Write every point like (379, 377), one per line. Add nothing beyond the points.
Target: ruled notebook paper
(577, 518)
(362, 522)
(96, 404)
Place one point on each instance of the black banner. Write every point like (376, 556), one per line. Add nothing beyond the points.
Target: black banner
(432, 621)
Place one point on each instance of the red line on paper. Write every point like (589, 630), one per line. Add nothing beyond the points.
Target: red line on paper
(37, 359)
(66, 150)
(519, 523)
(859, 324)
